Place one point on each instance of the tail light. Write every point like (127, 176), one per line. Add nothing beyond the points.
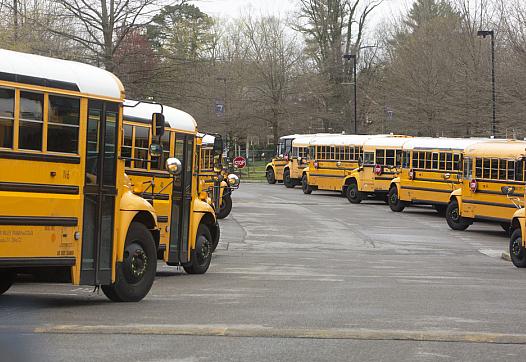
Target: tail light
(473, 185)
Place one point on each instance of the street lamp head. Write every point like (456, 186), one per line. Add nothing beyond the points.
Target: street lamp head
(485, 33)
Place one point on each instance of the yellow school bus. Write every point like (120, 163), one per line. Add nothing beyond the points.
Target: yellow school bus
(334, 156)
(493, 184)
(382, 160)
(214, 181)
(298, 159)
(431, 170)
(274, 169)
(67, 211)
(188, 227)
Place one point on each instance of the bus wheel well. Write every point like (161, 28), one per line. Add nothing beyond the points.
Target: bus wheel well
(147, 220)
(515, 224)
(212, 225)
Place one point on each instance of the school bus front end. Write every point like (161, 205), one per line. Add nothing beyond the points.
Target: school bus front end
(274, 169)
(298, 160)
(382, 157)
(493, 184)
(188, 227)
(67, 215)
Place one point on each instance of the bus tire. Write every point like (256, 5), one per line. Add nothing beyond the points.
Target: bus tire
(271, 176)
(136, 273)
(395, 204)
(7, 278)
(453, 218)
(441, 209)
(225, 208)
(201, 256)
(307, 190)
(517, 251)
(353, 195)
(286, 180)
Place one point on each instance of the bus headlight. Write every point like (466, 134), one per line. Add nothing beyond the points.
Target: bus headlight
(233, 180)
(174, 166)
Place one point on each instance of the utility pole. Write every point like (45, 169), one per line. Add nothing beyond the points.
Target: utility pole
(484, 34)
(15, 20)
(353, 57)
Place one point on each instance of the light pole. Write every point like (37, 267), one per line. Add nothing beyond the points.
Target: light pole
(223, 79)
(353, 57)
(484, 34)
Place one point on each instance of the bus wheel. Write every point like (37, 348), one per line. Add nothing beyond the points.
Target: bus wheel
(136, 273)
(394, 202)
(517, 251)
(7, 278)
(287, 181)
(453, 218)
(271, 177)
(307, 190)
(201, 256)
(353, 195)
(441, 209)
(225, 207)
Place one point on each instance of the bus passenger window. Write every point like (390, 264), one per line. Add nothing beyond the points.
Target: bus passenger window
(456, 162)
(442, 161)
(415, 159)
(494, 169)
(141, 146)
(468, 165)
(63, 124)
(435, 161)
(502, 169)
(485, 168)
(31, 121)
(398, 158)
(126, 150)
(7, 117)
(390, 157)
(519, 170)
(421, 160)
(511, 170)
(428, 161)
(449, 161)
(380, 157)
(478, 168)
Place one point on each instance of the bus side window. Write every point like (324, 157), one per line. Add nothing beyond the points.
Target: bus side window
(494, 169)
(126, 150)
(63, 124)
(511, 170)
(7, 117)
(31, 121)
(415, 159)
(502, 170)
(478, 167)
(457, 162)
(428, 161)
(380, 157)
(435, 161)
(519, 170)
(468, 166)
(142, 136)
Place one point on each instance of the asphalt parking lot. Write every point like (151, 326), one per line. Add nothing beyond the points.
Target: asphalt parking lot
(297, 278)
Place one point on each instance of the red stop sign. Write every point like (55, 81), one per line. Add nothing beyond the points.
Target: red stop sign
(240, 162)
(378, 169)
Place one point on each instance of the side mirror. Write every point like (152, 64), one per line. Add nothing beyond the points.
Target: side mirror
(233, 180)
(158, 124)
(174, 166)
(156, 150)
(507, 190)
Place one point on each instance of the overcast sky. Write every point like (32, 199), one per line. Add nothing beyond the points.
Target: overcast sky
(232, 8)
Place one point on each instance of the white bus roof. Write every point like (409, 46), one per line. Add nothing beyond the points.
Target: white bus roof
(57, 73)
(306, 139)
(387, 141)
(342, 140)
(441, 143)
(208, 139)
(175, 118)
(290, 136)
